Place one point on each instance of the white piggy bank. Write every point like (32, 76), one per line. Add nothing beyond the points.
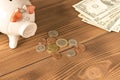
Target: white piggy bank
(17, 18)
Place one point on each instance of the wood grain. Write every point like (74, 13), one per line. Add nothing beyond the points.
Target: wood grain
(24, 63)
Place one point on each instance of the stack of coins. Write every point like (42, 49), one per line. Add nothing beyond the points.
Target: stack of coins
(51, 41)
(41, 46)
(52, 48)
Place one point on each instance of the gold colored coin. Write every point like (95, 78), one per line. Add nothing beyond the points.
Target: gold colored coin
(52, 48)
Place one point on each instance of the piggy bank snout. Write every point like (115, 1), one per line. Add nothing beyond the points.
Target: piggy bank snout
(28, 29)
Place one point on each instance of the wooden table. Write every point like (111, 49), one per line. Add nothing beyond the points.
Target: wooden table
(25, 63)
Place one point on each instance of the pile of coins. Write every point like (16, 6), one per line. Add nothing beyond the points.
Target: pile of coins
(56, 47)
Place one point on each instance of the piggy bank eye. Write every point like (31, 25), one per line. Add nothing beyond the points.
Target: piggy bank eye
(10, 0)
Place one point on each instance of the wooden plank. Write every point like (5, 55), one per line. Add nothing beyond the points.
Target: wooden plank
(28, 55)
(61, 17)
(98, 49)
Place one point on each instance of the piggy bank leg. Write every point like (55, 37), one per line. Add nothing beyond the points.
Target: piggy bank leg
(13, 40)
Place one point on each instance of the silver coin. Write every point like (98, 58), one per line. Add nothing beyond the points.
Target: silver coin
(53, 33)
(72, 42)
(40, 48)
(71, 53)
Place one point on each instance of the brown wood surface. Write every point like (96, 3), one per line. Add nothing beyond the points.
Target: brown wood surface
(24, 63)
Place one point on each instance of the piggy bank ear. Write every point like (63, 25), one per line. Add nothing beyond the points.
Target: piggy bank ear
(29, 8)
(16, 16)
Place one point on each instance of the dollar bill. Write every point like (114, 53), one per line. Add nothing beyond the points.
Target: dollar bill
(94, 8)
(110, 2)
(104, 14)
(108, 17)
(113, 23)
(106, 23)
(116, 26)
(86, 20)
(107, 13)
(94, 24)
